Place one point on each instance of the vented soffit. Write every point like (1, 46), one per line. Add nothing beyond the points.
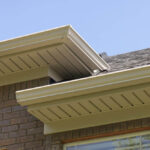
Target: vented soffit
(63, 53)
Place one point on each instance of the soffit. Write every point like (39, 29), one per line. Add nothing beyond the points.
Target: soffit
(91, 101)
(66, 54)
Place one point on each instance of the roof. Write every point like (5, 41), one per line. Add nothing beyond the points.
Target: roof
(60, 53)
(128, 60)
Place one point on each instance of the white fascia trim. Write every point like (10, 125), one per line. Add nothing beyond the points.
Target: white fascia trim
(84, 86)
(24, 76)
(24, 43)
(27, 75)
(63, 34)
(87, 50)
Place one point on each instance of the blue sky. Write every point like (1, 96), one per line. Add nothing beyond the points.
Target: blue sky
(111, 26)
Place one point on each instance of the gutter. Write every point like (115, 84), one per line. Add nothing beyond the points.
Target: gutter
(78, 87)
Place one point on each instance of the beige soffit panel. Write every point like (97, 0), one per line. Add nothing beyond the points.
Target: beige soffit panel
(66, 54)
(90, 101)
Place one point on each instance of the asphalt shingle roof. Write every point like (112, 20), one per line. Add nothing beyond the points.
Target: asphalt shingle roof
(128, 60)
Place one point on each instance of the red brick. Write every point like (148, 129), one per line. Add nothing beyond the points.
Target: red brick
(17, 146)
(8, 103)
(7, 141)
(18, 108)
(11, 115)
(39, 137)
(33, 144)
(19, 120)
(1, 116)
(40, 124)
(3, 136)
(5, 110)
(23, 85)
(12, 94)
(17, 133)
(9, 128)
(39, 148)
(28, 125)
(1, 93)
(5, 93)
(16, 114)
(31, 118)
(34, 131)
(44, 81)
(35, 83)
(4, 123)
(25, 139)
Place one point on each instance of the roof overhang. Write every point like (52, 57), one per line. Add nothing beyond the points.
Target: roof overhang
(90, 101)
(65, 54)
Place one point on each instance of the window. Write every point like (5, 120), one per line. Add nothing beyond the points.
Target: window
(125, 142)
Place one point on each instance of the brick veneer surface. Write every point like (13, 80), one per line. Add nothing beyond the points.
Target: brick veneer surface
(21, 131)
(54, 142)
(18, 129)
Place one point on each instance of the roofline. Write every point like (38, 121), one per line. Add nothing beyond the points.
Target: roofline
(34, 33)
(101, 83)
(50, 37)
(31, 39)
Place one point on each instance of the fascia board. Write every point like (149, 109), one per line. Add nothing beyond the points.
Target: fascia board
(75, 38)
(26, 75)
(84, 86)
(31, 41)
(62, 35)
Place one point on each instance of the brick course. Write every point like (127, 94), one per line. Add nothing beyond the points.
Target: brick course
(18, 129)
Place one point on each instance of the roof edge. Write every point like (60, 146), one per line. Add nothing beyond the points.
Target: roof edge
(64, 34)
(32, 39)
(87, 49)
(84, 86)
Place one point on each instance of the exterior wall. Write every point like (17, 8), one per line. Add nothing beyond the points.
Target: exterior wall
(18, 129)
(55, 141)
(21, 131)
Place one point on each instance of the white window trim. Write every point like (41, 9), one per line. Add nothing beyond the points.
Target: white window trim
(141, 133)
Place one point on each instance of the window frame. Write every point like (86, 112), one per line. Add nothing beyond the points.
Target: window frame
(103, 139)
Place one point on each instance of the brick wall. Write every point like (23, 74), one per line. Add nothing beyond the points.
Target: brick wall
(21, 131)
(18, 129)
(55, 141)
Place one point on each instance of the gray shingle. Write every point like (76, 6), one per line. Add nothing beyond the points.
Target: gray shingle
(128, 60)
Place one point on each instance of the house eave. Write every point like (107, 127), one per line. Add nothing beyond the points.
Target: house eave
(112, 87)
(44, 48)
(100, 83)
(28, 42)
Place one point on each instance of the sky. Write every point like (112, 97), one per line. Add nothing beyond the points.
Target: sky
(111, 26)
